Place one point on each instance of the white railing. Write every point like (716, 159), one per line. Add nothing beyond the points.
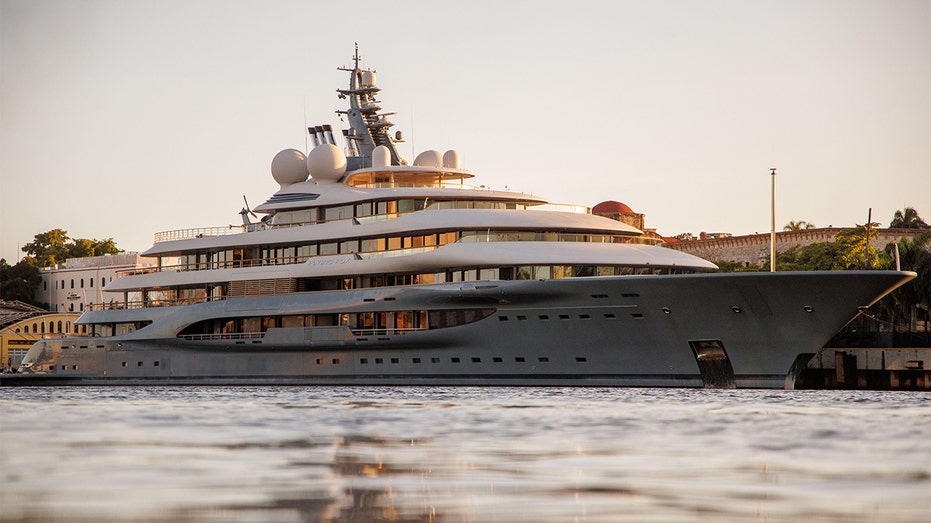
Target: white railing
(562, 207)
(199, 232)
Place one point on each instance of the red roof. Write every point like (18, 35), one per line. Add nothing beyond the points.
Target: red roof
(612, 207)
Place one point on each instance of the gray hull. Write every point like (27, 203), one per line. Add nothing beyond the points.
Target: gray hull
(714, 330)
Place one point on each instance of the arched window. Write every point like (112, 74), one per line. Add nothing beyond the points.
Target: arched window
(59, 326)
(34, 329)
(92, 283)
(103, 281)
(82, 283)
(82, 306)
(72, 283)
(43, 327)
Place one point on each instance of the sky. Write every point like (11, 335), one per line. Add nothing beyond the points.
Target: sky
(123, 118)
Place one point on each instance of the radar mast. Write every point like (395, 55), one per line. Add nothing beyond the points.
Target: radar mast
(368, 125)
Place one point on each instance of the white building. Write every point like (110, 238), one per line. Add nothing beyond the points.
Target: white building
(73, 285)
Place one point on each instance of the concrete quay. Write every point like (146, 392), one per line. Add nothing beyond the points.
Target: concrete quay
(868, 369)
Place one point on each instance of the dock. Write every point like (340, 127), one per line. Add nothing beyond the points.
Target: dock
(868, 369)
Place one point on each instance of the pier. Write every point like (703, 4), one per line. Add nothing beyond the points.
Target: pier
(868, 369)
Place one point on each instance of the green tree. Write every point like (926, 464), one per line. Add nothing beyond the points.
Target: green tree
(819, 256)
(732, 266)
(19, 282)
(856, 249)
(912, 300)
(908, 219)
(49, 248)
(798, 225)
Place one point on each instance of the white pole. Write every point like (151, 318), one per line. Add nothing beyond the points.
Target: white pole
(772, 234)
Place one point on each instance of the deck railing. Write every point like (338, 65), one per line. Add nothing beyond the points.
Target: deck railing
(198, 232)
(120, 305)
(226, 336)
(385, 331)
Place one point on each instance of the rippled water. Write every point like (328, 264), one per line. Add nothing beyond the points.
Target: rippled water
(463, 454)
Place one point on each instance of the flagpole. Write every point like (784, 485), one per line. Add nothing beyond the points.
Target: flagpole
(772, 233)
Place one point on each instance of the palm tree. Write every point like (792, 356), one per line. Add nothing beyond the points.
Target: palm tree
(908, 219)
(913, 299)
(798, 225)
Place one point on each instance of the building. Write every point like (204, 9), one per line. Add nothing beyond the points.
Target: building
(21, 325)
(73, 285)
(624, 214)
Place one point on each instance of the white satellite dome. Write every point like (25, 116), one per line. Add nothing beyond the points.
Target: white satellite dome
(289, 167)
(381, 156)
(451, 159)
(326, 163)
(429, 158)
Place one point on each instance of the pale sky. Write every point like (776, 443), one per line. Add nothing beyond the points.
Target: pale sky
(122, 118)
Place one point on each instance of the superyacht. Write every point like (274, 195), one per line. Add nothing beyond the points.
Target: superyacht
(367, 269)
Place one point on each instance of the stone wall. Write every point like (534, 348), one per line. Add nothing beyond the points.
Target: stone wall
(754, 249)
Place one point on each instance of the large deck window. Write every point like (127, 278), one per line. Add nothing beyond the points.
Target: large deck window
(377, 245)
(359, 323)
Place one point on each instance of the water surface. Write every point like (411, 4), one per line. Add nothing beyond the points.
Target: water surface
(463, 454)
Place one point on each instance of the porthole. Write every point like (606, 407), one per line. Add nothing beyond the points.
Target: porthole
(667, 310)
(808, 308)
